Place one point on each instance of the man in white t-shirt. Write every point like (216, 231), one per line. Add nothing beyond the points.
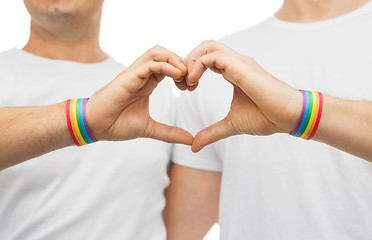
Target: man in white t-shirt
(280, 187)
(106, 190)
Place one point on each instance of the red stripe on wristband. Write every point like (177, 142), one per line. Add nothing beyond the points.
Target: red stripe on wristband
(68, 118)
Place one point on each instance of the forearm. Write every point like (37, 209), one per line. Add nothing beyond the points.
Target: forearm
(347, 125)
(28, 132)
(192, 203)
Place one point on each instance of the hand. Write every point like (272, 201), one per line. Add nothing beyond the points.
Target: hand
(261, 105)
(120, 111)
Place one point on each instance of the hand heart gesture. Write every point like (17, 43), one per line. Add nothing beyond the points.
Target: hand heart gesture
(251, 112)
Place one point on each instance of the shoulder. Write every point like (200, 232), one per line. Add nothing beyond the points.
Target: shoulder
(8, 70)
(7, 57)
(8, 62)
(8, 53)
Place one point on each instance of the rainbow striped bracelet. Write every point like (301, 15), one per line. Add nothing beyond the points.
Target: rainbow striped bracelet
(312, 108)
(77, 122)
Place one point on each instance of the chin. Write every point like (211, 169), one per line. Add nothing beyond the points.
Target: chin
(54, 8)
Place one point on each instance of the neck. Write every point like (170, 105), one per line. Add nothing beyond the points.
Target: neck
(73, 41)
(316, 10)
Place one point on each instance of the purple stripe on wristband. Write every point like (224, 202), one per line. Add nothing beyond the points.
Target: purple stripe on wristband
(302, 113)
(85, 120)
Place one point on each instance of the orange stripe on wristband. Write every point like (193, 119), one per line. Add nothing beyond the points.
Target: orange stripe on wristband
(74, 122)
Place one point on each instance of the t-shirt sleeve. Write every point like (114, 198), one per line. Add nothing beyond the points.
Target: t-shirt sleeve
(190, 116)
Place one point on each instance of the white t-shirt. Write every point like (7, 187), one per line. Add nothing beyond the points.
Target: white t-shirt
(281, 187)
(106, 190)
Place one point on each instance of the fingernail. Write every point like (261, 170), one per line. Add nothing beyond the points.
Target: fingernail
(190, 84)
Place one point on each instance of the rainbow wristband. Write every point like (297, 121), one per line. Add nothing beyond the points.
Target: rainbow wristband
(312, 108)
(77, 122)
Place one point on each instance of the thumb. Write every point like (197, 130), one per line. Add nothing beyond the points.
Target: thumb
(167, 133)
(213, 133)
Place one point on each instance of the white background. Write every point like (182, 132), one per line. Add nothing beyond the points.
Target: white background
(129, 28)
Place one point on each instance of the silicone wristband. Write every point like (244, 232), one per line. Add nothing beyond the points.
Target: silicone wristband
(77, 123)
(86, 123)
(312, 107)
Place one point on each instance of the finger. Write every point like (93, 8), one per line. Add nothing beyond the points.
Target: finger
(148, 88)
(202, 49)
(138, 77)
(216, 70)
(213, 133)
(235, 93)
(161, 54)
(159, 77)
(181, 85)
(192, 88)
(168, 134)
(149, 68)
(181, 79)
(203, 63)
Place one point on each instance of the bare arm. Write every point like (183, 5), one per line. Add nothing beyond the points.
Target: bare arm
(27, 132)
(118, 112)
(347, 125)
(263, 105)
(192, 203)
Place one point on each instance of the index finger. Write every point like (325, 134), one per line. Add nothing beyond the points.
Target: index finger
(205, 48)
(161, 54)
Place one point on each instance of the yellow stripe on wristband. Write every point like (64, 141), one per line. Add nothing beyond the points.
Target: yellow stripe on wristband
(72, 121)
(75, 124)
(313, 122)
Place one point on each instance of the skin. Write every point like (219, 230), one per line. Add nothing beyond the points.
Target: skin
(345, 124)
(182, 211)
(316, 10)
(118, 112)
(69, 30)
(199, 216)
(65, 30)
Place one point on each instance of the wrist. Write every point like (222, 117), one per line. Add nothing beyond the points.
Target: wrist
(58, 124)
(312, 108)
(295, 105)
(285, 114)
(77, 121)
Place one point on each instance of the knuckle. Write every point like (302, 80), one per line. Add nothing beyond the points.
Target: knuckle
(154, 50)
(209, 42)
(150, 66)
(157, 47)
(248, 59)
(157, 66)
(214, 44)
